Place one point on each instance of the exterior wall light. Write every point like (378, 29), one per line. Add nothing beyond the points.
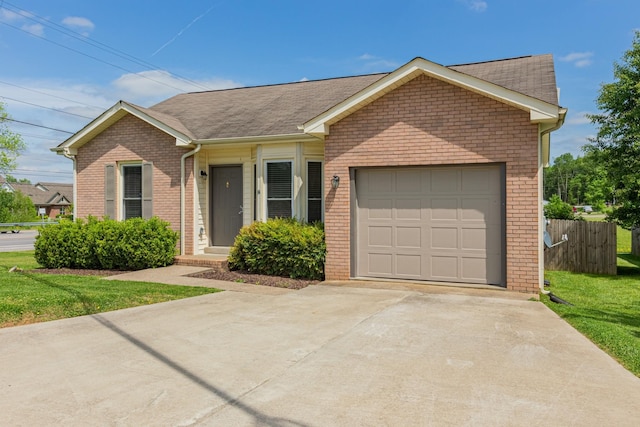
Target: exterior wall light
(335, 182)
(203, 175)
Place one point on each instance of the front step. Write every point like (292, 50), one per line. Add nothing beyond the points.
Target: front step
(217, 250)
(206, 260)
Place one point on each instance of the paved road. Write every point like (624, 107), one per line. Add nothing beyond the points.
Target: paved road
(22, 241)
(322, 356)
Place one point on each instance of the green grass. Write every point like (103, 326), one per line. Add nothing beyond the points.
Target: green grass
(606, 308)
(28, 297)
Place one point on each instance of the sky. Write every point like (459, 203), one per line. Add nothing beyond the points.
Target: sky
(64, 62)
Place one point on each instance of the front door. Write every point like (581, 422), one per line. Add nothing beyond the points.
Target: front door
(226, 204)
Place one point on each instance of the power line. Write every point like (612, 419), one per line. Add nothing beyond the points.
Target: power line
(39, 126)
(59, 28)
(48, 108)
(39, 136)
(39, 171)
(53, 96)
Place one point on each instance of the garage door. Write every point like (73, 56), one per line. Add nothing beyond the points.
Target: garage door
(434, 224)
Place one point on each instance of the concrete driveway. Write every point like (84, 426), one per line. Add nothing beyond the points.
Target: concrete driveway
(322, 356)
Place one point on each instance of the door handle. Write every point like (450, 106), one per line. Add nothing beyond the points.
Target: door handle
(241, 210)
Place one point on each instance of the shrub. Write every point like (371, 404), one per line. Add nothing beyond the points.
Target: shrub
(557, 209)
(280, 247)
(133, 244)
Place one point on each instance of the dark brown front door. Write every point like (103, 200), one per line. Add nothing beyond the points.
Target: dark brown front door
(226, 204)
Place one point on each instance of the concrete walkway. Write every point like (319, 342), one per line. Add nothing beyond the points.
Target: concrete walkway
(324, 355)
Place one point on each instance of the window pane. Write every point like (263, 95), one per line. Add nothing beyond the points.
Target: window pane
(279, 208)
(314, 210)
(314, 191)
(279, 180)
(132, 176)
(314, 180)
(132, 209)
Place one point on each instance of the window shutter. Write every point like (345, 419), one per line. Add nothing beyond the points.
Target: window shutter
(110, 191)
(147, 190)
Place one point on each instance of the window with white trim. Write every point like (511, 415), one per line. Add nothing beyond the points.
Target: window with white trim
(279, 178)
(131, 191)
(314, 191)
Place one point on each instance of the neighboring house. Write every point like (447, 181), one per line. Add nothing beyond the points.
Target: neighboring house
(53, 198)
(427, 173)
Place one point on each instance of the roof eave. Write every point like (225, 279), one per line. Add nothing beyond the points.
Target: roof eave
(108, 118)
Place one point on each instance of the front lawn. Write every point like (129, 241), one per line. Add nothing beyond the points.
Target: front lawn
(29, 297)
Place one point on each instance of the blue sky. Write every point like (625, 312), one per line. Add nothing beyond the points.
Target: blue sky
(90, 54)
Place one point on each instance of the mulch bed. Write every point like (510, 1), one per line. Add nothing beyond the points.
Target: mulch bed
(223, 273)
(217, 273)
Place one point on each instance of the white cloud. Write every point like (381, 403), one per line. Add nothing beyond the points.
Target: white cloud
(79, 23)
(35, 29)
(579, 59)
(148, 87)
(478, 6)
(579, 118)
(475, 5)
(372, 63)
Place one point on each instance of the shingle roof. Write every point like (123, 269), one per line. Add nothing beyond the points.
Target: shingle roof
(531, 75)
(261, 110)
(53, 194)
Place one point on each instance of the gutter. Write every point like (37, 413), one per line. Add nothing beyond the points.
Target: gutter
(182, 194)
(67, 153)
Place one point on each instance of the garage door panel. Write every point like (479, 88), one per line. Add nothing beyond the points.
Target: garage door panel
(380, 236)
(409, 181)
(409, 237)
(379, 208)
(410, 209)
(443, 209)
(444, 238)
(439, 224)
(474, 269)
(444, 267)
(444, 181)
(408, 266)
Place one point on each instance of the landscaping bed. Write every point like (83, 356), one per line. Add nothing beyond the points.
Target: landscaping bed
(223, 273)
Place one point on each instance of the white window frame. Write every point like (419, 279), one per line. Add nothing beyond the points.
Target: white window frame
(266, 181)
(321, 187)
(121, 198)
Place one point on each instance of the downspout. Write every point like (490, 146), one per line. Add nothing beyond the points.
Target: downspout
(182, 194)
(562, 114)
(67, 153)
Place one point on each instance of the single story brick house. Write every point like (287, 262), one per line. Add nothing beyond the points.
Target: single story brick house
(49, 198)
(428, 173)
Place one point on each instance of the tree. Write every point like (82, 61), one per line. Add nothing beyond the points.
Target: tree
(16, 207)
(11, 178)
(617, 142)
(11, 144)
(557, 209)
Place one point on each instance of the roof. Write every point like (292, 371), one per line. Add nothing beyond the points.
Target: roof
(46, 193)
(280, 110)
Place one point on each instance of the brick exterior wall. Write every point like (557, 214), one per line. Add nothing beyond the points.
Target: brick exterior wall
(131, 139)
(429, 122)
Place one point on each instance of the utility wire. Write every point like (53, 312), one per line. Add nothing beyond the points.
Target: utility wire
(48, 108)
(31, 135)
(39, 126)
(28, 171)
(53, 96)
(61, 29)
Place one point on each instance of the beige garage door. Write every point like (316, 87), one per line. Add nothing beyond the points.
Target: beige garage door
(435, 224)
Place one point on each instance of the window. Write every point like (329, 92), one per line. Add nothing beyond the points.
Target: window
(314, 191)
(279, 190)
(131, 191)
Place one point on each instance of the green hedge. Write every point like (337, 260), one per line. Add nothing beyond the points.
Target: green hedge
(133, 244)
(280, 247)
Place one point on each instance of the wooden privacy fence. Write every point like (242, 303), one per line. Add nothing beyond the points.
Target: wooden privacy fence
(591, 247)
